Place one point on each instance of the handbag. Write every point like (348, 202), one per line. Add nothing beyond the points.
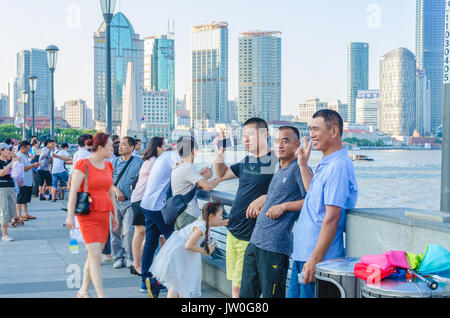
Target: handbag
(82, 207)
(176, 205)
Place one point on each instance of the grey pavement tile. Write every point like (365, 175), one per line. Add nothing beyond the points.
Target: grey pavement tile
(35, 265)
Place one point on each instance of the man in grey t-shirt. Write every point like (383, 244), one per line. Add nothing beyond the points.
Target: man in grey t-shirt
(44, 174)
(266, 260)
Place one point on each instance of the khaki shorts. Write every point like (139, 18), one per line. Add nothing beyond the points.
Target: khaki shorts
(7, 205)
(235, 259)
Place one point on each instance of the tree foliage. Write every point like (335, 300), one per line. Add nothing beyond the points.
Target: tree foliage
(364, 142)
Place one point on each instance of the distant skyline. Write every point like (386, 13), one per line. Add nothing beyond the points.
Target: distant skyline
(315, 36)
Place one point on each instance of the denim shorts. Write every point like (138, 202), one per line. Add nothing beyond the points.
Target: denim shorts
(63, 177)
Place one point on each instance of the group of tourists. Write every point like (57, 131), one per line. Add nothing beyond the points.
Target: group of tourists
(25, 166)
(277, 190)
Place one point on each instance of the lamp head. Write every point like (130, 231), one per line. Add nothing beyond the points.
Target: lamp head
(52, 56)
(108, 7)
(33, 83)
(25, 97)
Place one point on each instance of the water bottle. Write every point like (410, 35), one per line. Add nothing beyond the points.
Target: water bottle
(73, 245)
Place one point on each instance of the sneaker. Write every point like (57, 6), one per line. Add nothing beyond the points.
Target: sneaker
(41, 197)
(7, 238)
(153, 287)
(107, 258)
(143, 288)
(118, 264)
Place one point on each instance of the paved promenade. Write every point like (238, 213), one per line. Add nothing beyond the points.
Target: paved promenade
(38, 264)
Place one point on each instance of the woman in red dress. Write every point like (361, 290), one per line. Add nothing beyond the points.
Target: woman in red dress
(94, 227)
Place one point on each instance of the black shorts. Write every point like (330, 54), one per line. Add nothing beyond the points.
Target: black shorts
(46, 176)
(24, 195)
(138, 216)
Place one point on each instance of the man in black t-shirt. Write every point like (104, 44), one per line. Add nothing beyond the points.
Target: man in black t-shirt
(255, 172)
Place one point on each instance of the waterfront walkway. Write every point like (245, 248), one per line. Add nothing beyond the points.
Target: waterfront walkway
(38, 264)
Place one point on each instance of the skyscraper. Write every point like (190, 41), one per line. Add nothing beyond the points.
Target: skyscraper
(209, 74)
(155, 106)
(159, 68)
(4, 105)
(357, 74)
(126, 46)
(259, 75)
(339, 107)
(430, 22)
(423, 103)
(33, 62)
(367, 105)
(77, 114)
(397, 93)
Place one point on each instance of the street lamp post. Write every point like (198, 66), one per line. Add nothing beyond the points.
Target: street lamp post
(108, 7)
(24, 117)
(52, 57)
(144, 128)
(33, 86)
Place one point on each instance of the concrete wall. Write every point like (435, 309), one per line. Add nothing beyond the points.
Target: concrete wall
(375, 231)
(368, 231)
(214, 274)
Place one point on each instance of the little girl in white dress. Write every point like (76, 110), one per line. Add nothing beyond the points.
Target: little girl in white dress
(178, 265)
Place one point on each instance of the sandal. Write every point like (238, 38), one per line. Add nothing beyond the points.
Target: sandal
(30, 217)
(23, 218)
(19, 221)
(83, 295)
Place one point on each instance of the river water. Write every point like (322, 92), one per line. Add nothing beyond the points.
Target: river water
(395, 179)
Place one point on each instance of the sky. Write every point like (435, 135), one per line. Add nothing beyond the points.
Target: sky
(315, 35)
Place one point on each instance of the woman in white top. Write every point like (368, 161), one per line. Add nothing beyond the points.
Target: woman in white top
(185, 176)
(155, 148)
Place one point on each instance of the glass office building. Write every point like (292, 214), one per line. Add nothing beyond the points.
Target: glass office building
(430, 21)
(423, 103)
(209, 74)
(159, 68)
(126, 46)
(397, 93)
(155, 106)
(259, 75)
(367, 105)
(33, 62)
(357, 74)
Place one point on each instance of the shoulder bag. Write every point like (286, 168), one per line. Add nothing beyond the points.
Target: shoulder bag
(176, 205)
(82, 207)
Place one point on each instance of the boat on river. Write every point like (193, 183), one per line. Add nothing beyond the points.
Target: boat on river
(355, 157)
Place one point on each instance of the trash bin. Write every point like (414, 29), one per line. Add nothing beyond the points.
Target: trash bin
(335, 279)
(403, 288)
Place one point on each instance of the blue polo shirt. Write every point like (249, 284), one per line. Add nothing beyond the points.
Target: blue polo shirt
(334, 183)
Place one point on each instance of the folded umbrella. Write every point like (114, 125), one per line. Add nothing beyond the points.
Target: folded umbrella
(414, 260)
(436, 260)
(387, 260)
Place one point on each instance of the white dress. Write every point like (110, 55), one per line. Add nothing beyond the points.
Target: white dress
(178, 268)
